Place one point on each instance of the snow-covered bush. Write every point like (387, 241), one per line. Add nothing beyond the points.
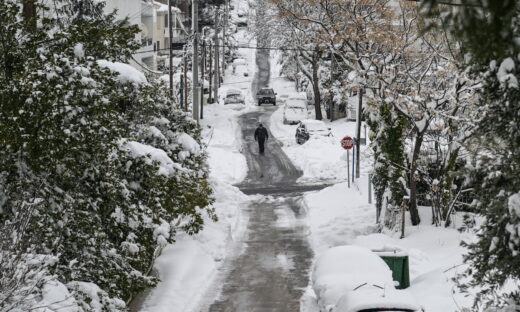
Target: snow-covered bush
(98, 168)
(488, 33)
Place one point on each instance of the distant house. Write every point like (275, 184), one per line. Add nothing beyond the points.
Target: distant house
(181, 22)
(181, 27)
(152, 18)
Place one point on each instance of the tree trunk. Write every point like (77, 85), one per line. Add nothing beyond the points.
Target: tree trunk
(414, 212)
(316, 87)
(29, 13)
(448, 194)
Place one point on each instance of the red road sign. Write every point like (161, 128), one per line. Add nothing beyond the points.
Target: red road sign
(347, 142)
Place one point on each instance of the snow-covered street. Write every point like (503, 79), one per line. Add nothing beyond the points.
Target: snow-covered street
(259, 156)
(259, 255)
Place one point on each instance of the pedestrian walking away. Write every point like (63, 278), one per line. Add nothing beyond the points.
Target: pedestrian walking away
(261, 136)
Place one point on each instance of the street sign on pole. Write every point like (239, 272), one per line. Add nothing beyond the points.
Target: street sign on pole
(347, 143)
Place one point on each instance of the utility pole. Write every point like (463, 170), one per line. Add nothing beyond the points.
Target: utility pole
(216, 74)
(170, 56)
(358, 129)
(297, 73)
(210, 73)
(195, 60)
(203, 68)
(331, 94)
(224, 33)
(185, 78)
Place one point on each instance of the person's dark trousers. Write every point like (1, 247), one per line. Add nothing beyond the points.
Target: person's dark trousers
(261, 146)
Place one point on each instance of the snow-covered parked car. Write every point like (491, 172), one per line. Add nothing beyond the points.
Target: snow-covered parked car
(294, 111)
(310, 127)
(355, 279)
(299, 95)
(238, 62)
(241, 21)
(241, 70)
(234, 97)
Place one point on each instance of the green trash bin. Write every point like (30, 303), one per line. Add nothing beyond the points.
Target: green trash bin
(398, 263)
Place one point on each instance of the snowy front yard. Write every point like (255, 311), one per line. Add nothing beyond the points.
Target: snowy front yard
(339, 215)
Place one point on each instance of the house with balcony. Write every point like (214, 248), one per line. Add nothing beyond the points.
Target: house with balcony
(152, 18)
(181, 27)
(147, 52)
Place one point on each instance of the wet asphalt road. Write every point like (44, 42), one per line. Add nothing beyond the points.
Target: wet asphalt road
(270, 268)
(272, 272)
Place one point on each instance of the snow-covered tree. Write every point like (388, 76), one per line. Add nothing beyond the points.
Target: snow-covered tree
(488, 32)
(98, 168)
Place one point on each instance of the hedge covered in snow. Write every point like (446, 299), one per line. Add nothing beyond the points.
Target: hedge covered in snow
(98, 168)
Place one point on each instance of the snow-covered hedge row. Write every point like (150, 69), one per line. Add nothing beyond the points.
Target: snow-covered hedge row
(98, 168)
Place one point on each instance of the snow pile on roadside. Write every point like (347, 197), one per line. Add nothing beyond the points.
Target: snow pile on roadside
(338, 214)
(220, 131)
(186, 267)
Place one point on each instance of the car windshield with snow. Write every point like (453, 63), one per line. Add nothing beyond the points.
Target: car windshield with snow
(294, 111)
(308, 128)
(354, 279)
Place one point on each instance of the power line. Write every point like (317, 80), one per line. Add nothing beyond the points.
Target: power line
(239, 47)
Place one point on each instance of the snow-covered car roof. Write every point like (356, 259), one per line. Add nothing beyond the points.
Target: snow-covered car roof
(233, 92)
(369, 297)
(298, 96)
(314, 125)
(266, 90)
(241, 68)
(341, 269)
(239, 61)
(296, 103)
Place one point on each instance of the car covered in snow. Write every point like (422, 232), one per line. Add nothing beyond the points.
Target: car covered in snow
(354, 279)
(266, 95)
(238, 62)
(299, 95)
(241, 70)
(241, 21)
(294, 111)
(234, 97)
(308, 128)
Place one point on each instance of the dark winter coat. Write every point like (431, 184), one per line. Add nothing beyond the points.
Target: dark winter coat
(261, 134)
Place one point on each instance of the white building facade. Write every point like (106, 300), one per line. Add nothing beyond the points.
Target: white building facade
(152, 18)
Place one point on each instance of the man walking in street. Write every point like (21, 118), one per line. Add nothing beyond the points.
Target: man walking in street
(261, 136)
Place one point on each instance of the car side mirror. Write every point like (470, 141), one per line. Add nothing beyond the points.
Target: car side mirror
(275, 93)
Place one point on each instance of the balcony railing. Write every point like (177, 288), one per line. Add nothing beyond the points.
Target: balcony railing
(146, 42)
